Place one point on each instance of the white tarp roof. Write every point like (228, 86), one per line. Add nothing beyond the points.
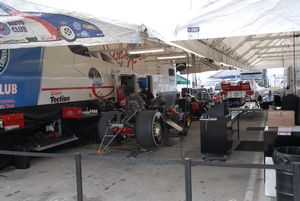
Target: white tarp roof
(245, 33)
(172, 19)
(240, 18)
(25, 24)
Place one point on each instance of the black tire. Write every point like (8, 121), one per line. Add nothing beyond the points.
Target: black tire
(66, 33)
(22, 162)
(103, 125)
(149, 129)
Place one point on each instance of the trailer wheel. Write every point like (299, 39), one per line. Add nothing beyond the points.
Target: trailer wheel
(149, 129)
(103, 125)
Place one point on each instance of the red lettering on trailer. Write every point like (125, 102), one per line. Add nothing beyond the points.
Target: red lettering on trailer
(121, 54)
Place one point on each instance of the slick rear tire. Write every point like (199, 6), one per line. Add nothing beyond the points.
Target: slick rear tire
(149, 129)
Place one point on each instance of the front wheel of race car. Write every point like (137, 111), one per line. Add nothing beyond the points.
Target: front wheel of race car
(66, 33)
(149, 129)
(103, 128)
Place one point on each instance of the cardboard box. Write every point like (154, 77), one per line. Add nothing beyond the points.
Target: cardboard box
(278, 118)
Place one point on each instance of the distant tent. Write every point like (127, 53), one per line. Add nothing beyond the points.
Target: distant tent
(181, 80)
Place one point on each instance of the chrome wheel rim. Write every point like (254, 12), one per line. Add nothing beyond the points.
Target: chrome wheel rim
(188, 121)
(157, 131)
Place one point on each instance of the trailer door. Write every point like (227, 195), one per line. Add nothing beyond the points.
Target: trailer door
(150, 82)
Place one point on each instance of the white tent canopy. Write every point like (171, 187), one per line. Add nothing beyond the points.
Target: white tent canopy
(246, 34)
(278, 50)
(207, 22)
(240, 18)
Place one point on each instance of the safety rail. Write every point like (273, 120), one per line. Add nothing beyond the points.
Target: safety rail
(186, 162)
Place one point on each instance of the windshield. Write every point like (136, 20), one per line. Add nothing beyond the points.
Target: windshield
(218, 86)
(256, 85)
(210, 83)
(251, 76)
(257, 76)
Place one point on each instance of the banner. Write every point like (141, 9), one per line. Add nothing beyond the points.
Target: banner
(23, 24)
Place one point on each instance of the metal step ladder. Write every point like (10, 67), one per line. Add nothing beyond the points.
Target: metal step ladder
(104, 147)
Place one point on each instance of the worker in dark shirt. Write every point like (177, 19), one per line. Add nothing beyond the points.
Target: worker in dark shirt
(146, 92)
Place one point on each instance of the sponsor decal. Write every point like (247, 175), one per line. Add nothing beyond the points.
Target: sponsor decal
(58, 97)
(84, 34)
(63, 23)
(4, 29)
(193, 32)
(8, 89)
(13, 41)
(56, 93)
(17, 26)
(4, 60)
(19, 29)
(9, 103)
(47, 38)
(89, 27)
(193, 29)
(77, 26)
(16, 23)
